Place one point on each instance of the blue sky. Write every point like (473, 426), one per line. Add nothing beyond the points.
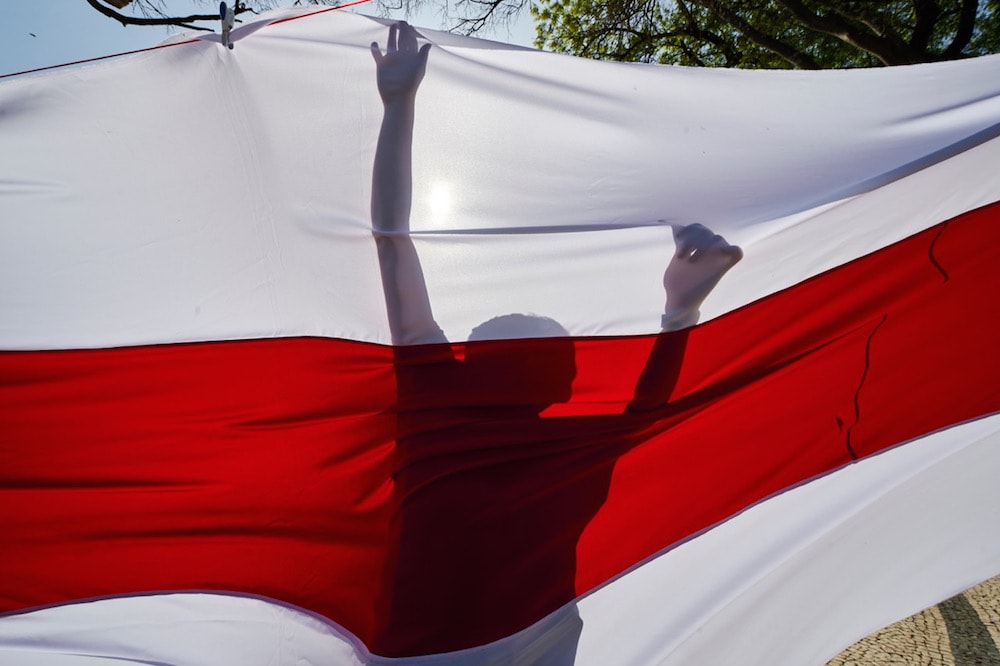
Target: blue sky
(39, 33)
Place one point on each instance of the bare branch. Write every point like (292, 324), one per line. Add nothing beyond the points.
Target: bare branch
(180, 21)
(489, 12)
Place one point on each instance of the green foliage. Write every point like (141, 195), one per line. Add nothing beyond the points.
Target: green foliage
(770, 33)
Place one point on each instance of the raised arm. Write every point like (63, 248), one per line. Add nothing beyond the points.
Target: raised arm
(700, 260)
(399, 72)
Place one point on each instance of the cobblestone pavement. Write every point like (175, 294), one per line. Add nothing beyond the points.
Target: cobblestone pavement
(962, 631)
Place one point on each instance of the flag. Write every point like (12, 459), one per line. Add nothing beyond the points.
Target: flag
(234, 430)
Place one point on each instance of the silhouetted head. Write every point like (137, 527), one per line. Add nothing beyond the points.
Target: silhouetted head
(527, 360)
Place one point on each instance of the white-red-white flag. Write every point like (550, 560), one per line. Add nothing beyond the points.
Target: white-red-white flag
(218, 445)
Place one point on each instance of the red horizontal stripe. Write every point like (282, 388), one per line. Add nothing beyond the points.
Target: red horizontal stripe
(451, 515)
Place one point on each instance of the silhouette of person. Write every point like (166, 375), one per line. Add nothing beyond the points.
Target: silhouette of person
(490, 498)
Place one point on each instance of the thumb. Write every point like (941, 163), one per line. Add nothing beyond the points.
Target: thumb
(681, 242)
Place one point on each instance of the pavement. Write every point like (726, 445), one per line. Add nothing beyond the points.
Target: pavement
(962, 631)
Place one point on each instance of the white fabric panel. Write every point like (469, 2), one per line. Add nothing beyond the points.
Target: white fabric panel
(790, 581)
(797, 578)
(184, 629)
(197, 193)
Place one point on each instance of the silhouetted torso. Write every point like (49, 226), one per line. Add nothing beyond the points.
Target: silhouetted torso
(490, 496)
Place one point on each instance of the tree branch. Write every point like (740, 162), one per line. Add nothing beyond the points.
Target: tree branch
(928, 12)
(864, 16)
(697, 32)
(180, 21)
(966, 23)
(792, 55)
(491, 11)
(836, 26)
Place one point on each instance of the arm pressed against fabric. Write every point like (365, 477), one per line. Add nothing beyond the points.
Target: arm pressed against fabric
(399, 72)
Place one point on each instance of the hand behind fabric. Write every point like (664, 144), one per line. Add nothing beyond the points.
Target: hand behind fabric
(701, 259)
(402, 67)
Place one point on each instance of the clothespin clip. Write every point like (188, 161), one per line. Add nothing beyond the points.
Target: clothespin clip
(228, 18)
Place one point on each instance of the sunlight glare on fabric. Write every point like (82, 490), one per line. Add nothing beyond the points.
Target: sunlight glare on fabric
(440, 201)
